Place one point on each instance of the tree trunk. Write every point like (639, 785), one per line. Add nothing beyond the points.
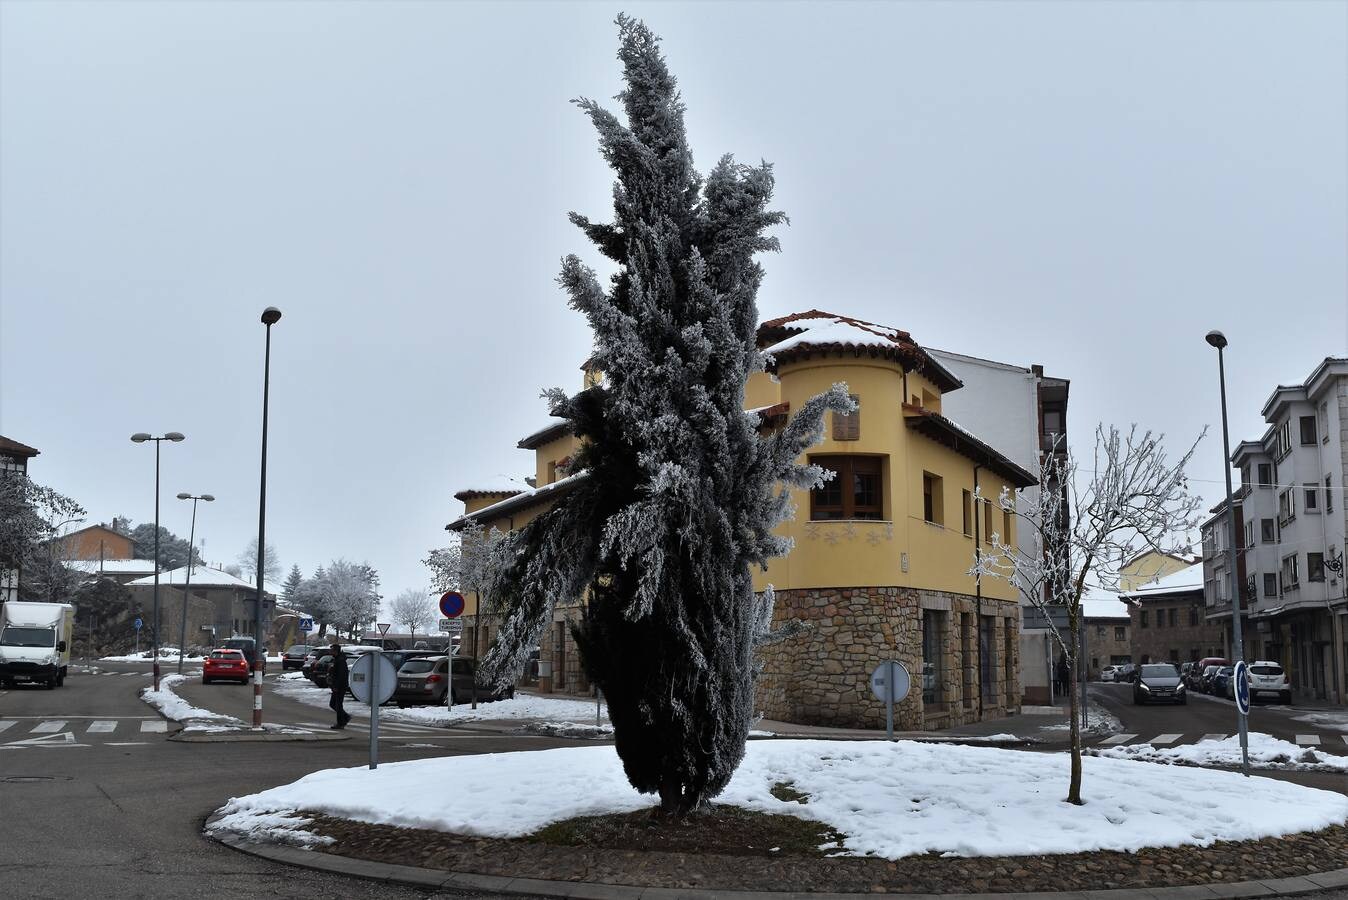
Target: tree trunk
(1074, 705)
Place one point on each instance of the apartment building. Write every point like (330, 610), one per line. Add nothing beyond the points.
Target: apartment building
(1290, 549)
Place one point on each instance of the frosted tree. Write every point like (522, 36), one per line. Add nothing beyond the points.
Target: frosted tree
(680, 492)
(344, 595)
(1086, 525)
(413, 609)
(271, 563)
(291, 586)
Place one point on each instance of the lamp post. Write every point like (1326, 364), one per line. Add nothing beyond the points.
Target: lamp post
(270, 316)
(1218, 340)
(141, 437)
(187, 585)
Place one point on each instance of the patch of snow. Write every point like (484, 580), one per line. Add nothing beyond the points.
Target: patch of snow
(1266, 752)
(571, 730)
(1335, 720)
(1098, 721)
(178, 709)
(522, 706)
(279, 828)
(889, 800)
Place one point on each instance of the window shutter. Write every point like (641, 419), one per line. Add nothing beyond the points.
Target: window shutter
(847, 426)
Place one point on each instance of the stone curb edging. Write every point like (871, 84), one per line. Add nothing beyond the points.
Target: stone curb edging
(437, 878)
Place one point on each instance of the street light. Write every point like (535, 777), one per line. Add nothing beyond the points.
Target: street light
(1218, 340)
(141, 437)
(270, 316)
(187, 586)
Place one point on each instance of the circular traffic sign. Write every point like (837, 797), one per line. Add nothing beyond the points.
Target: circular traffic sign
(451, 604)
(137, 624)
(362, 671)
(894, 673)
(1241, 679)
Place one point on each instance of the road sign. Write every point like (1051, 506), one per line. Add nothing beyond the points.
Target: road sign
(383, 628)
(451, 604)
(900, 678)
(362, 671)
(137, 624)
(1241, 680)
(306, 625)
(451, 626)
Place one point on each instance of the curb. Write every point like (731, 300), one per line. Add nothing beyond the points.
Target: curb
(246, 735)
(438, 878)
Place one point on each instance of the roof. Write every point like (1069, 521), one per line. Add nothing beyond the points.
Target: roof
(1184, 581)
(113, 566)
(800, 334)
(11, 447)
(962, 441)
(771, 416)
(204, 576)
(523, 500)
(101, 526)
(550, 432)
(1104, 605)
(495, 486)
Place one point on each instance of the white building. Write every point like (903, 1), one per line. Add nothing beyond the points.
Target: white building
(1019, 410)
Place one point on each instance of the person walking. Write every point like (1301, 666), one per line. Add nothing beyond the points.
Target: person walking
(337, 680)
(1062, 675)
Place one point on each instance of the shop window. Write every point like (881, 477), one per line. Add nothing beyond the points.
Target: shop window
(987, 639)
(932, 506)
(847, 426)
(933, 669)
(854, 492)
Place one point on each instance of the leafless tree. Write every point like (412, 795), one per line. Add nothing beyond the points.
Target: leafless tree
(413, 609)
(1087, 524)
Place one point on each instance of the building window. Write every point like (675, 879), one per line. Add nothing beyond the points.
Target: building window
(1174, 617)
(1249, 534)
(933, 508)
(967, 651)
(988, 645)
(1284, 439)
(1329, 493)
(933, 673)
(987, 521)
(967, 511)
(1193, 616)
(1270, 584)
(1006, 527)
(1245, 476)
(552, 471)
(1143, 618)
(1053, 422)
(847, 426)
(1291, 574)
(1315, 567)
(1266, 475)
(1287, 506)
(1268, 532)
(1174, 656)
(852, 493)
(1308, 429)
(1100, 632)
(1120, 634)
(1312, 498)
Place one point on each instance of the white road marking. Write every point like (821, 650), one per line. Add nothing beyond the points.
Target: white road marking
(1308, 740)
(127, 743)
(64, 739)
(1213, 737)
(153, 726)
(9, 723)
(55, 725)
(1165, 739)
(134, 674)
(1119, 739)
(103, 726)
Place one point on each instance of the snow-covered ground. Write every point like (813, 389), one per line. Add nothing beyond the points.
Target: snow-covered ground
(1266, 752)
(166, 654)
(1326, 719)
(178, 709)
(1098, 721)
(522, 706)
(888, 799)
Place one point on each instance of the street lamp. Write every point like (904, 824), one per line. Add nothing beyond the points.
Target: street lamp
(141, 437)
(270, 316)
(1218, 340)
(187, 586)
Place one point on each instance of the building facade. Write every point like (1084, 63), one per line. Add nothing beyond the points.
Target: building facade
(1291, 545)
(1149, 566)
(13, 461)
(1168, 620)
(95, 542)
(1109, 633)
(882, 553)
(219, 605)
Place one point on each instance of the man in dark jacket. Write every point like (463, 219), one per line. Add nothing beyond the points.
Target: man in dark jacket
(337, 681)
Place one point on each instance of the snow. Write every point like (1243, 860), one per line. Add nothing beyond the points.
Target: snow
(178, 709)
(521, 707)
(1266, 752)
(889, 800)
(1098, 721)
(284, 828)
(1335, 720)
(166, 654)
(205, 576)
(1104, 606)
(825, 329)
(113, 566)
(1190, 579)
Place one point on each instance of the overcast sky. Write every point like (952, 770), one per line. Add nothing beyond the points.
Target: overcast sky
(1086, 186)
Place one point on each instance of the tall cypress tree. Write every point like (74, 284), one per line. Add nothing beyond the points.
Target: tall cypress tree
(677, 497)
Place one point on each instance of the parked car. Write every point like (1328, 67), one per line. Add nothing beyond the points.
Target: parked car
(293, 657)
(245, 646)
(1218, 684)
(425, 680)
(319, 674)
(314, 655)
(1267, 678)
(225, 664)
(1200, 669)
(1159, 681)
(1205, 680)
(1126, 672)
(1107, 673)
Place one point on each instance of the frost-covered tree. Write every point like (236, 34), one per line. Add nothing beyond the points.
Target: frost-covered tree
(173, 550)
(344, 595)
(271, 563)
(413, 609)
(1087, 524)
(291, 586)
(461, 565)
(31, 516)
(679, 493)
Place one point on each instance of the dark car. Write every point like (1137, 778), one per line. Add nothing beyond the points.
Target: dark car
(1194, 680)
(1126, 672)
(1217, 686)
(1205, 680)
(424, 680)
(294, 656)
(319, 673)
(1158, 681)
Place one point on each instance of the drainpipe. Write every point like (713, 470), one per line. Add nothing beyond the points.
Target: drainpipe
(978, 589)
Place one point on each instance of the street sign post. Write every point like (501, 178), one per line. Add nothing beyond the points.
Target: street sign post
(1241, 679)
(451, 626)
(373, 680)
(137, 624)
(890, 683)
(451, 604)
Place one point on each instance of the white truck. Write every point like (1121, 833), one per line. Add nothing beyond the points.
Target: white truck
(35, 642)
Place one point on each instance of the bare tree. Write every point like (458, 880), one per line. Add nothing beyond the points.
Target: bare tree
(1087, 524)
(271, 563)
(413, 609)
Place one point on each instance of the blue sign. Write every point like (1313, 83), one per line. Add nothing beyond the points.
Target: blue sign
(306, 625)
(136, 624)
(1242, 688)
(451, 605)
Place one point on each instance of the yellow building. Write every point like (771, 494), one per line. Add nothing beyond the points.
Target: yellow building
(1149, 567)
(880, 567)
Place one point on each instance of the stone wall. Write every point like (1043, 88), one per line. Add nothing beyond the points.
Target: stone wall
(1191, 637)
(822, 677)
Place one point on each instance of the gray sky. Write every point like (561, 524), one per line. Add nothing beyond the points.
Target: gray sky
(1087, 186)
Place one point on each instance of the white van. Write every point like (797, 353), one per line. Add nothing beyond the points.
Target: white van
(35, 642)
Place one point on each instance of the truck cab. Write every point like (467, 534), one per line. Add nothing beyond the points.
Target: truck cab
(35, 643)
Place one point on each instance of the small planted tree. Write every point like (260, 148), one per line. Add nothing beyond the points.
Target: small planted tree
(679, 493)
(1087, 524)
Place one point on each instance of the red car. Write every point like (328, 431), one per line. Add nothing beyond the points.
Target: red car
(225, 664)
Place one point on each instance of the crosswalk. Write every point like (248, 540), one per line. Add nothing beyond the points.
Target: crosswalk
(1302, 740)
(39, 733)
